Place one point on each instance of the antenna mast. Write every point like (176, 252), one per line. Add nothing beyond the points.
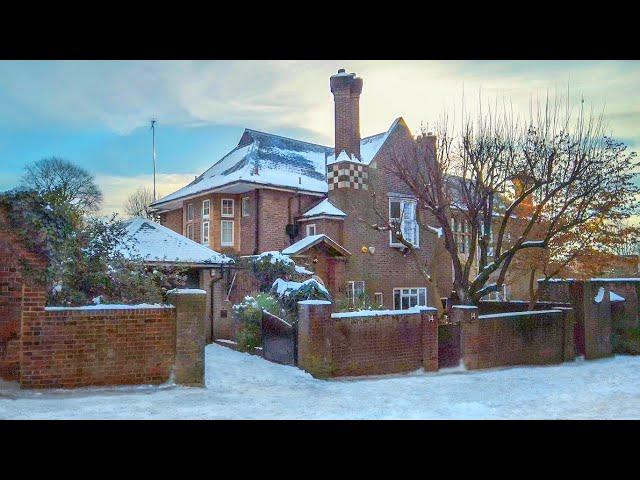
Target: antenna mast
(153, 133)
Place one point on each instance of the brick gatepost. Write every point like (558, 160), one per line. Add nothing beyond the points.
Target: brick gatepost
(429, 318)
(190, 335)
(315, 330)
(470, 340)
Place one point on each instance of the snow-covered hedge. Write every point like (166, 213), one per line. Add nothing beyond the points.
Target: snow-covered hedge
(290, 293)
(269, 266)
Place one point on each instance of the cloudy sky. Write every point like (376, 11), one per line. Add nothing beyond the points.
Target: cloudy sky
(96, 113)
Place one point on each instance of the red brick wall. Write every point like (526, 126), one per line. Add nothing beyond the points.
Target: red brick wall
(13, 256)
(515, 339)
(76, 348)
(365, 345)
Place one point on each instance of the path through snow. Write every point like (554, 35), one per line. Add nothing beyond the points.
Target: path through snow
(241, 386)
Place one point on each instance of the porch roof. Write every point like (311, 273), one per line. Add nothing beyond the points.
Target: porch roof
(313, 240)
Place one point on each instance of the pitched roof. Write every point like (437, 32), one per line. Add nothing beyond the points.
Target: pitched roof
(325, 207)
(271, 160)
(264, 159)
(369, 146)
(156, 243)
(312, 240)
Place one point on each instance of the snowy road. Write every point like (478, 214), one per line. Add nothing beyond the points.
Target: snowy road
(241, 386)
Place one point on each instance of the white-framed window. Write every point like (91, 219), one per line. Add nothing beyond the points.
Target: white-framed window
(378, 299)
(355, 291)
(189, 211)
(226, 233)
(206, 208)
(190, 231)
(402, 212)
(311, 229)
(404, 298)
(502, 296)
(227, 207)
(205, 233)
(245, 206)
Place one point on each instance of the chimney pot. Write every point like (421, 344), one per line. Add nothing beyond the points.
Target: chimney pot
(341, 70)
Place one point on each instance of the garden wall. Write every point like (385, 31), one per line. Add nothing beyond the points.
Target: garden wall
(515, 338)
(365, 343)
(70, 348)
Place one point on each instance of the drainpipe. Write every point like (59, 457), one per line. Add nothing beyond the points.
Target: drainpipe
(211, 287)
(256, 249)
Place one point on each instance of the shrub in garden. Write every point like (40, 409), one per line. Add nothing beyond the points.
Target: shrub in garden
(86, 255)
(289, 293)
(248, 317)
(269, 266)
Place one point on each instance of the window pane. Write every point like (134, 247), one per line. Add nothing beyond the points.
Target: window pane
(396, 299)
(394, 209)
(422, 297)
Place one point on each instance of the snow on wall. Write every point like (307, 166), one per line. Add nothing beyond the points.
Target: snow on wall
(106, 306)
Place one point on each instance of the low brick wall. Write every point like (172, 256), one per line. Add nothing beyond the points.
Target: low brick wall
(374, 343)
(488, 307)
(518, 338)
(70, 348)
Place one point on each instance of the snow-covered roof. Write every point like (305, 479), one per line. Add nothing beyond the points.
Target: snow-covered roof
(308, 242)
(325, 207)
(369, 147)
(264, 159)
(155, 243)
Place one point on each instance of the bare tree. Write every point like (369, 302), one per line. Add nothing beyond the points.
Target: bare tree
(567, 173)
(61, 182)
(138, 204)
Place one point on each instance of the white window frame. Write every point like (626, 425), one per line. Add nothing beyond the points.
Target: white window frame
(245, 206)
(309, 227)
(406, 292)
(403, 202)
(205, 232)
(375, 297)
(190, 227)
(222, 242)
(351, 290)
(193, 212)
(233, 208)
(207, 210)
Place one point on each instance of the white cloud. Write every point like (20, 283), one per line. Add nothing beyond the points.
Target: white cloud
(116, 189)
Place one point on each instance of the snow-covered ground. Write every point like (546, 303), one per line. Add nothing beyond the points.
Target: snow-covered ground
(241, 386)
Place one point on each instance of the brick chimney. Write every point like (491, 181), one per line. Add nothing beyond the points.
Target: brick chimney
(346, 89)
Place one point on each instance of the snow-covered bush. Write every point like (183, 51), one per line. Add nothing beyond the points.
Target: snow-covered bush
(269, 266)
(248, 315)
(290, 293)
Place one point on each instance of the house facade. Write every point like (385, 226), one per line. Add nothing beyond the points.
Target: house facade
(322, 206)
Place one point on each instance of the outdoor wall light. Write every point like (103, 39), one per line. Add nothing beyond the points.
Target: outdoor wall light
(372, 250)
(364, 249)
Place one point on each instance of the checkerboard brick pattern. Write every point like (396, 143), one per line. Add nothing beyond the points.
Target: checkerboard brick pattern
(347, 175)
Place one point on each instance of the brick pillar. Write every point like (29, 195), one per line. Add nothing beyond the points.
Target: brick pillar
(190, 335)
(429, 317)
(32, 326)
(315, 330)
(467, 317)
(568, 319)
(597, 321)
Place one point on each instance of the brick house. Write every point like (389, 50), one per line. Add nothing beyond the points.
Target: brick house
(317, 204)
